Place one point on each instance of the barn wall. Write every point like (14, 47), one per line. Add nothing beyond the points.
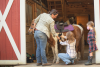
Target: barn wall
(13, 22)
(72, 8)
(29, 38)
(32, 11)
(82, 20)
(78, 9)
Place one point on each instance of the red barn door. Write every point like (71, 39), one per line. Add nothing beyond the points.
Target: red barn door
(12, 32)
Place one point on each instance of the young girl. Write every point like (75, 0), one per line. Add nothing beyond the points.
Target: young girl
(70, 54)
(91, 41)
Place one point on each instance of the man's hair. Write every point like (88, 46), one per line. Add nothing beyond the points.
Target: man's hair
(53, 11)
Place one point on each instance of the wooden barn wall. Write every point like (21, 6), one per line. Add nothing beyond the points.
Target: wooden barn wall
(82, 20)
(71, 9)
(78, 9)
(29, 38)
(32, 11)
(13, 22)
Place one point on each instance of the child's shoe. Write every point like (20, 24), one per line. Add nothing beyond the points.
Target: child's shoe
(89, 62)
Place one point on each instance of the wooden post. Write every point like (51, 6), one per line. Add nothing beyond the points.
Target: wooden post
(35, 10)
(41, 6)
(33, 6)
(48, 6)
(55, 4)
(63, 9)
(34, 46)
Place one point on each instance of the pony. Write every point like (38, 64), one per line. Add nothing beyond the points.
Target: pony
(79, 36)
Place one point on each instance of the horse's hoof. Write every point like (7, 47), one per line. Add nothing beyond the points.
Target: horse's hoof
(78, 59)
(57, 62)
(53, 61)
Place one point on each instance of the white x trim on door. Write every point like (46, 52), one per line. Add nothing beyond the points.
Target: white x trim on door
(6, 28)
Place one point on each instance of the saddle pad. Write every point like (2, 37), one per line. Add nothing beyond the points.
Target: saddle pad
(66, 28)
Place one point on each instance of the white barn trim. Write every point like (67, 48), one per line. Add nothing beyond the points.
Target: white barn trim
(97, 27)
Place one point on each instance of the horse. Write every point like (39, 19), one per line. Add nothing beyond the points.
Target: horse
(78, 34)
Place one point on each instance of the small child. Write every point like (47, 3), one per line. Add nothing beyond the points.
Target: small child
(70, 54)
(91, 41)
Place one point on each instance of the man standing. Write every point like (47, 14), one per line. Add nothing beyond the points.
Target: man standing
(43, 26)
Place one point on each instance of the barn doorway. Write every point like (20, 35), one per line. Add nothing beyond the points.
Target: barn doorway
(81, 10)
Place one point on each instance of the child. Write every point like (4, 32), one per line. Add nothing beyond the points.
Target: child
(70, 54)
(91, 41)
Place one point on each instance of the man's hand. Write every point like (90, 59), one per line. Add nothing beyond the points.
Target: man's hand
(31, 30)
(58, 38)
(62, 36)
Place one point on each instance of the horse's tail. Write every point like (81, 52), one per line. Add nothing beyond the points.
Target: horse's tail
(82, 46)
(81, 42)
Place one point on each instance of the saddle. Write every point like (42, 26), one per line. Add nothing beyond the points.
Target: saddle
(61, 27)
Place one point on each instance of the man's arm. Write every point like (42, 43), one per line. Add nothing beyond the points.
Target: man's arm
(37, 19)
(52, 29)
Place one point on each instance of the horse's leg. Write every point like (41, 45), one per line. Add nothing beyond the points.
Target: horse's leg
(47, 47)
(56, 52)
(80, 51)
(82, 47)
(77, 49)
(78, 56)
(53, 50)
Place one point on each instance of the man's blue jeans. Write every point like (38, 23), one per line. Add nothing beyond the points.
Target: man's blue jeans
(66, 58)
(41, 40)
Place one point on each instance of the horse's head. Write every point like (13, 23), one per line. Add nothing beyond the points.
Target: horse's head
(71, 20)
